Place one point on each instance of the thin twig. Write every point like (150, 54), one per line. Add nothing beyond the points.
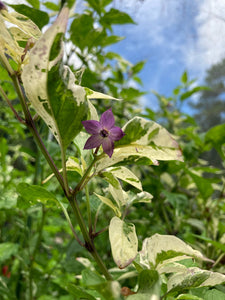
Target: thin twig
(11, 106)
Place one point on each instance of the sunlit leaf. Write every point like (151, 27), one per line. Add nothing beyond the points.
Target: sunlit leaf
(51, 89)
(40, 18)
(109, 203)
(126, 175)
(34, 194)
(97, 95)
(68, 104)
(193, 91)
(24, 30)
(124, 242)
(114, 16)
(204, 185)
(159, 248)
(192, 278)
(145, 142)
(118, 194)
(184, 77)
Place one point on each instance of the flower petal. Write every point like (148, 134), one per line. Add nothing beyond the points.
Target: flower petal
(93, 141)
(107, 119)
(92, 126)
(116, 133)
(108, 146)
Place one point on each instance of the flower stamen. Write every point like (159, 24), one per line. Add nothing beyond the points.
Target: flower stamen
(104, 133)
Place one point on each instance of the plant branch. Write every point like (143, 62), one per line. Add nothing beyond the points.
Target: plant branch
(10, 105)
(83, 180)
(89, 245)
(88, 209)
(63, 158)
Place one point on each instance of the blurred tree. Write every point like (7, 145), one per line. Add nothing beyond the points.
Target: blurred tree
(211, 105)
(210, 109)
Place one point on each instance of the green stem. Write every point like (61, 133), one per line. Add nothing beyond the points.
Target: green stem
(63, 158)
(6, 64)
(88, 241)
(88, 208)
(81, 184)
(218, 260)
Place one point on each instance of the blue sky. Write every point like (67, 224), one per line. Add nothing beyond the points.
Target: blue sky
(172, 36)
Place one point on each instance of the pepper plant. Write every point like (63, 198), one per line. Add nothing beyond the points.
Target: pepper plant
(90, 180)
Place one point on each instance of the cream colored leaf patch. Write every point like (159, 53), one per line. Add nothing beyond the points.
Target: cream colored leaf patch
(124, 242)
(34, 75)
(159, 248)
(126, 175)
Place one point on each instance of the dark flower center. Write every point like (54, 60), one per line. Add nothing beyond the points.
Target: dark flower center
(104, 133)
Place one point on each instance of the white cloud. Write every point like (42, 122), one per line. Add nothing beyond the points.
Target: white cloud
(209, 45)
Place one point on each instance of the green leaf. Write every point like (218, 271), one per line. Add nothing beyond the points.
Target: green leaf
(110, 290)
(91, 278)
(111, 179)
(34, 3)
(138, 67)
(216, 137)
(124, 242)
(79, 292)
(145, 142)
(176, 200)
(95, 5)
(112, 39)
(214, 243)
(34, 194)
(114, 16)
(214, 295)
(149, 283)
(98, 5)
(52, 6)
(40, 18)
(81, 29)
(204, 185)
(193, 91)
(149, 286)
(184, 78)
(7, 250)
(159, 248)
(68, 104)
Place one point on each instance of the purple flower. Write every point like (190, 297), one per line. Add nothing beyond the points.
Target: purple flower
(103, 133)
